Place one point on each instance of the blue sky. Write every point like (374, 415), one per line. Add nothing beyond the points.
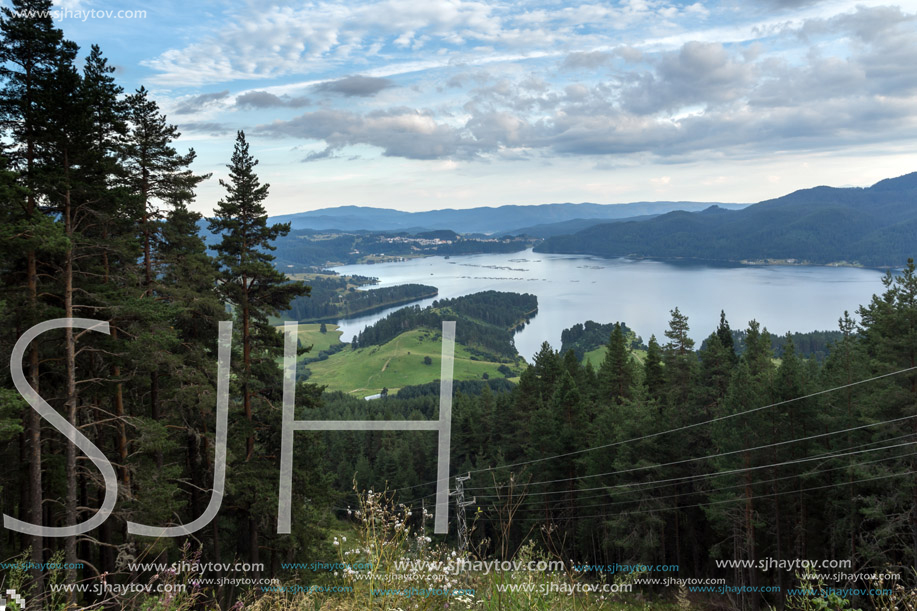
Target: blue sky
(454, 103)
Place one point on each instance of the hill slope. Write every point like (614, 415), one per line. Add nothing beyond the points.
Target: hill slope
(875, 226)
(401, 362)
(404, 348)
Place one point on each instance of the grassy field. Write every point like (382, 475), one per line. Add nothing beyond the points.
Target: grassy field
(598, 355)
(398, 363)
(310, 335)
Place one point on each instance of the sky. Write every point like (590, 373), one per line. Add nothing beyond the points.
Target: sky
(420, 105)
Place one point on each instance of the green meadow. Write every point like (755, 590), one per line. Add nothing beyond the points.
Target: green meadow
(397, 363)
(310, 335)
(597, 355)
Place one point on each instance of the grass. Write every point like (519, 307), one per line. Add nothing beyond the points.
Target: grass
(380, 539)
(400, 362)
(598, 355)
(310, 335)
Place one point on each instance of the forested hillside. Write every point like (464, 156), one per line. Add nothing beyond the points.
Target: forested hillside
(691, 456)
(159, 433)
(95, 223)
(334, 297)
(812, 344)
(484, 320)
(306, 248)
(583, 337)
(876, 226)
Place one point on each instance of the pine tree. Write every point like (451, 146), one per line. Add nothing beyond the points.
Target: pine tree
(256, 290)
(156, 172)
(680, 362)
(616, 374)
(845, 409)
(889, 329)
(736, 523)
(29, 49)
(716, 365)
(158, 176)
(61, 153)
(653, 374)
(724, 333)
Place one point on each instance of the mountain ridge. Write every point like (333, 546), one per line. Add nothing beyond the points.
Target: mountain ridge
(873, 226)
(491, 220)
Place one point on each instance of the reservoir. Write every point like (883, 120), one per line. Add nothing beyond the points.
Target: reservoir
(641, 293)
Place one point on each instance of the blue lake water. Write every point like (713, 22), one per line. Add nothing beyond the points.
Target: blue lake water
(573, 288)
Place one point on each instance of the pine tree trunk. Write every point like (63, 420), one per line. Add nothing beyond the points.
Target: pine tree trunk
(70, 358)
(23, 507)
(779, 545)
(777, 521)
(247, 364)
(147, 257)
(119, 412)
(33, 421)
(750, 531)
(194, 468)
(253, 542)
(217, 555)
(677, 538)
(154, 410)
(85, 551)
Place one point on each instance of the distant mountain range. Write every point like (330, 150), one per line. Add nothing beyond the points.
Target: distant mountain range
(549, 230)
(501, 220)
(874, 226)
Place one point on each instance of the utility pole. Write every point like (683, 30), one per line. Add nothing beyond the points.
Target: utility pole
(423, 523)
(461, 504)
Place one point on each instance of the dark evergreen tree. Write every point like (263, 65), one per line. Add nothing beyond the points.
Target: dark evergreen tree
(256, 290)
(653, 375)
(889, 329)
(29, 51)
(616, 374)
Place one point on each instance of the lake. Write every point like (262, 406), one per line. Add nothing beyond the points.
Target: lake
(641, 293)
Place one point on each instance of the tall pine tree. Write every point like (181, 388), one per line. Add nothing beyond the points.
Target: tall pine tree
(256, 290)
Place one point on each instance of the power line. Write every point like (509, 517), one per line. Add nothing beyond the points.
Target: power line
(709, 456)
(675, 430)
(730, 472)
(668, 482)
(826, 455)
(715, 490)
(673, 481)
(752, 498)
(688, 460)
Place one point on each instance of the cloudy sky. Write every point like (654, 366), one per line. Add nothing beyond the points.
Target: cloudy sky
(430, 104)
